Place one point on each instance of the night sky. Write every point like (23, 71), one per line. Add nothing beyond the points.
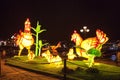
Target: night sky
(61, 17)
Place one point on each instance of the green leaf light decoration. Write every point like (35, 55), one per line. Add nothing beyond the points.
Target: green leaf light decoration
(94, 51)
(37, 30)
(40, 46)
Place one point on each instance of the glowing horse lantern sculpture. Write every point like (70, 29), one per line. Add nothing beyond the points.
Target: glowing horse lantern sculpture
(25, 40)
(90, 47)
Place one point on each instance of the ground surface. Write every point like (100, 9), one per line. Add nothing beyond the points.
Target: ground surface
(77, 68)
(13, 73)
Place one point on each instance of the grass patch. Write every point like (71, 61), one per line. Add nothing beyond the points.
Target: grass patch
(79, 69)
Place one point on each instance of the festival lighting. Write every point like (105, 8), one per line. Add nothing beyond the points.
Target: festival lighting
(25, 39)
(84, 30)
(88, 48)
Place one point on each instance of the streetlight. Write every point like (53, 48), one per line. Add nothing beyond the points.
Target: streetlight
(84, 30)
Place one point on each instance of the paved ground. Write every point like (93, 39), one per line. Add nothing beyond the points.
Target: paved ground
(13, 73)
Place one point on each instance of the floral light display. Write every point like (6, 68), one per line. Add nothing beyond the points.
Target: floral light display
(25, 39)
(90, 47)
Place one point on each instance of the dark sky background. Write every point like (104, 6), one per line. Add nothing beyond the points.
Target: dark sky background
(61, 17)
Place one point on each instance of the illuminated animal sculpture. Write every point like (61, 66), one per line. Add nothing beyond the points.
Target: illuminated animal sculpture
(25, 39)
(85, 47)
(52, 49)
(51, 53)
(50, 58)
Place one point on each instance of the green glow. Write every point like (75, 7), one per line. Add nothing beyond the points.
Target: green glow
(40, 46)
(90, 47)
(94, 52)
(37, 31)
